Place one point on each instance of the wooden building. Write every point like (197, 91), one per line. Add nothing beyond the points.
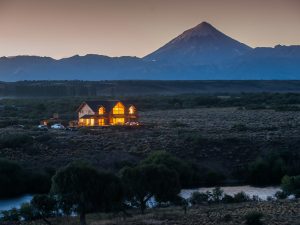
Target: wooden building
(104, 113)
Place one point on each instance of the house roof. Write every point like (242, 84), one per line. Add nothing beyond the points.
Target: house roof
(95, 105)
(87, 117)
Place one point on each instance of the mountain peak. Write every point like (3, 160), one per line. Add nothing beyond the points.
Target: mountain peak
(201, 44)
(201, 30)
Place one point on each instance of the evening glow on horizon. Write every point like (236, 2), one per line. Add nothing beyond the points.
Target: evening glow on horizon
(62, 28)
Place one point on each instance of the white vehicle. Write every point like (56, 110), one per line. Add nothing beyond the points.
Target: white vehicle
(132, 123)
(58, 126)
(43, 127)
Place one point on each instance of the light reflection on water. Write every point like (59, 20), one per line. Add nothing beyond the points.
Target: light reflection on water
(261, 192)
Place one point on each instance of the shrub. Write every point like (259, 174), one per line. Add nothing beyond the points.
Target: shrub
(281, 195)
(13, 140)
(254, 218)
(217, 194)
(228, 199)
(239, 127)
(241, 197)
(27, 212)
(291, 185)
(227, 218)
(10, 215)
(198, 198)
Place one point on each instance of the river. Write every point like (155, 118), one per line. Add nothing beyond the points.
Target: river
(261, 192)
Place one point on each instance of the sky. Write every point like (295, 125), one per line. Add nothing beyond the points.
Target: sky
(62, 28)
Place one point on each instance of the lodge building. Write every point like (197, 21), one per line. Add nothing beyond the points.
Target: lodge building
(104, 113)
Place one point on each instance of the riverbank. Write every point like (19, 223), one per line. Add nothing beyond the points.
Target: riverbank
(283, 212)
(260, 192)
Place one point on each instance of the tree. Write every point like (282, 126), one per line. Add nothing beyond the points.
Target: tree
(11, 178)
(27, 212)
(184, 170)
(85, 189)
(291, 185)
(217, 194)
(44, 206)
(146, 181)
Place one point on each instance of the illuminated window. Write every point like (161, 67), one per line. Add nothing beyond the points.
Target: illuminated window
(118, 121)
(92, 122)
(118, 109)
(131, 109)
(101, 110)
(101, 122)
(81, 121)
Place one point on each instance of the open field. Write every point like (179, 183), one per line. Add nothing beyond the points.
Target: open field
(222, 139)
(275, 213)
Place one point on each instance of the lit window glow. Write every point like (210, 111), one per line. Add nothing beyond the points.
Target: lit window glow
(131, 110)
(118, 109)
(101, 110)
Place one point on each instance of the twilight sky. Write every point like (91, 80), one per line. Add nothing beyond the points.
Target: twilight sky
(61, 28)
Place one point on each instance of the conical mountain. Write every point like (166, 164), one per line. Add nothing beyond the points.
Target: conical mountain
(203, 44)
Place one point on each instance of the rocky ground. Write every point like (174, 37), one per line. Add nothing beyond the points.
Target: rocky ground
(274, 213)
(220, 138)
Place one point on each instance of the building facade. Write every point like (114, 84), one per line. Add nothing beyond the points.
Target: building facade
(105, 113)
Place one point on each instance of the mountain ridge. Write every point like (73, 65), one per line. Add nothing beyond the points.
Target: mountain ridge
(200, 53)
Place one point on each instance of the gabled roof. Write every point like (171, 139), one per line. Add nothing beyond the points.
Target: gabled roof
(95, 105)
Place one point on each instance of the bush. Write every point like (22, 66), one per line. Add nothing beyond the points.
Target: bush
(291, 185)
(239, 127)
(27, 212)
(254, 218)
(241, 197)
(13, 140)
(228, 199)
(198, 198)
(281, 195)
(217, 194)
(10, 215)
(227, 218)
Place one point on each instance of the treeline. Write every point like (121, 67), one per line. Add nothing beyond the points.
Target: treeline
(271, 167)
(15, 180)
(56, 88)
(81, 189)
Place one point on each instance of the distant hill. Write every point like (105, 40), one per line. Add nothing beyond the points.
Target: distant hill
(200, 53)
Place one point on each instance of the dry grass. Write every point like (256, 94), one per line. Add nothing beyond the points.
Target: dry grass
(219, 140)
(275, 213)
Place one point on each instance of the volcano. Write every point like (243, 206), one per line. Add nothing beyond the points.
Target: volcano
(203, 44)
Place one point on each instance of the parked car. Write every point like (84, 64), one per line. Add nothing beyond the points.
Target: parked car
(72, 128)
(58, 126)
(42, 127)
(132, 123)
